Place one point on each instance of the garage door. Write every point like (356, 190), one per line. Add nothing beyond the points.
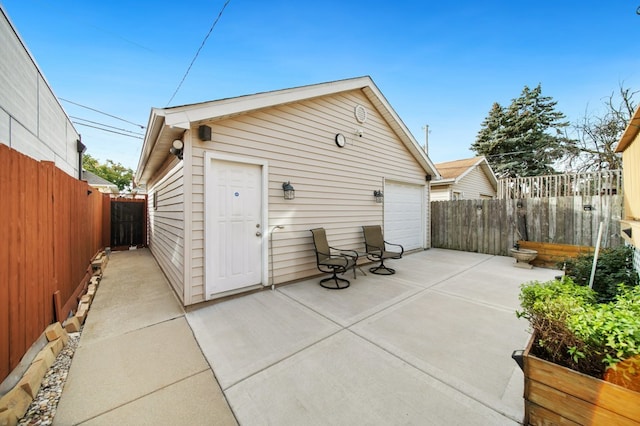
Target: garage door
(404, 215)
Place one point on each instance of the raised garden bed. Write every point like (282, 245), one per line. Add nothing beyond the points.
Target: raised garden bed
(550, 254)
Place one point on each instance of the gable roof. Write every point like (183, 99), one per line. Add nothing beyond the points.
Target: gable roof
(630, 132)
(167, 124)
(95, 180)
(453, 171)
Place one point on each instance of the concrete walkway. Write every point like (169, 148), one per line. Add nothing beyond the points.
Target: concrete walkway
(429, 345)
(138, 362)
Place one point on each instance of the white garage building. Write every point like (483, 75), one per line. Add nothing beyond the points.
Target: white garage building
(219, 221)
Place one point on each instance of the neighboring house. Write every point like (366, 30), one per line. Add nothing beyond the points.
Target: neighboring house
(32, 120)
(219, 221)
(629, 146)
(467, 179)
(99, 183)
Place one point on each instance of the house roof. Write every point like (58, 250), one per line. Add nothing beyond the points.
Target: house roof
(453, 171)
(168, 124)
(630, 132)
(95, 180)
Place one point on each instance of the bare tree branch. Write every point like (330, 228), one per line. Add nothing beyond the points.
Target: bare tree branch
(598, 136)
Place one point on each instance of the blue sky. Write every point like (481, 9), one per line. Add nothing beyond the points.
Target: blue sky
(438, 63)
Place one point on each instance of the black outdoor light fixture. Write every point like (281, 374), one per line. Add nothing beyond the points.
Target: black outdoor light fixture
(289, 192)
(177, 148)
(204, 133)
(379, 196)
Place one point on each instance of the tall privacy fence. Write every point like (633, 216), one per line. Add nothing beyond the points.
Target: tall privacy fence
(51, 225)
(608, 182)
(493, 226)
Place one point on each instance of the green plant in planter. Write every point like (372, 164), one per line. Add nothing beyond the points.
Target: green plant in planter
(615, 266)
(575, 330)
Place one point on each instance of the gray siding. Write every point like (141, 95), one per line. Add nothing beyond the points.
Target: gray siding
(441, 193)
(166, 223)
(31, 119)
(475, 185)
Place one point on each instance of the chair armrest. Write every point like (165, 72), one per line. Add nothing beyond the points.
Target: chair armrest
(369, 249)
(337, 261)
(396, 245)
(345, 252)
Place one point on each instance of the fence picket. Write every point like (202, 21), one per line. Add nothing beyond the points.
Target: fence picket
(46, 225)
(460, 225)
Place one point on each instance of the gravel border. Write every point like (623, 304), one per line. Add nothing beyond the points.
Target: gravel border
(44, 405)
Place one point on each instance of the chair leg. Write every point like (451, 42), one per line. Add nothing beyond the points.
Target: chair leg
(335, 279)
(381, 269)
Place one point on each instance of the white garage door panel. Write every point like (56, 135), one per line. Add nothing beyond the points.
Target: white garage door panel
(404, 215)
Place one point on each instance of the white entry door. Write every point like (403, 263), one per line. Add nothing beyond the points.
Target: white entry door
(234, 229)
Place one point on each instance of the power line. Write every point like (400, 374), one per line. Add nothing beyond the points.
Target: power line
(107, 130)
(198, 52)
(103, 113)
(106, 125)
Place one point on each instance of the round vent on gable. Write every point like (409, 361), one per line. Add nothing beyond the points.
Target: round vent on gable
(361, 113)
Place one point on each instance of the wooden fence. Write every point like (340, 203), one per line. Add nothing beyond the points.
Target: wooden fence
(51, 225)
(606, 182)
(493, 226)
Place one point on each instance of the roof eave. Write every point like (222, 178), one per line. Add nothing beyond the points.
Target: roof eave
(443, 182)
(630, 133)
(176, 120)
(184, 116)
(396, 123)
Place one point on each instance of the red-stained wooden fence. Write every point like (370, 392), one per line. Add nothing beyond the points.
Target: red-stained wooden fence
(51, 226)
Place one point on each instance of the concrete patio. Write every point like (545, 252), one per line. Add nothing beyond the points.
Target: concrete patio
(428, 345)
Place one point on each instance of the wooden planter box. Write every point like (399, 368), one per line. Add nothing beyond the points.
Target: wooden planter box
(549, 254)
(555, 395)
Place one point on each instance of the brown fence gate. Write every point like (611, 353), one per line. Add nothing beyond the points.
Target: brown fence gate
(128, 223)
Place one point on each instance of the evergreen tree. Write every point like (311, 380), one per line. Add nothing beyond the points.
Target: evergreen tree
(526, 138)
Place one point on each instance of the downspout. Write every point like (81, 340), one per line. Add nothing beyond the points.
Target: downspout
(81, 149)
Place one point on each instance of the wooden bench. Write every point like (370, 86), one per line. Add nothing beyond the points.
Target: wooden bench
(550, 254)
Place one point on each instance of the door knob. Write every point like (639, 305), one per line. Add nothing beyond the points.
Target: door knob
(258, 234)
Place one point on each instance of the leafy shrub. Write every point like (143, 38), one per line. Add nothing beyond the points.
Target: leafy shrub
(575, 330)
(615, 266)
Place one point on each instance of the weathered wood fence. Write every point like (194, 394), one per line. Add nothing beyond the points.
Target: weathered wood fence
(493, 226)
(606, 182)
(51, 225)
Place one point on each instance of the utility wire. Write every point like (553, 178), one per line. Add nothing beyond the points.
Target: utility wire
(103, 113)
(198, 52)
(106, 125)
(107, 130)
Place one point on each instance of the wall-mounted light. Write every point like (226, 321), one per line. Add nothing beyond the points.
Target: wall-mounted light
(204, 133)
(379, 196)
(289, 192)
(177, 148)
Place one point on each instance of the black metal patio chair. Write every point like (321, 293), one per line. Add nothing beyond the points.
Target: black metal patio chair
(376, 249)
(333, 260)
